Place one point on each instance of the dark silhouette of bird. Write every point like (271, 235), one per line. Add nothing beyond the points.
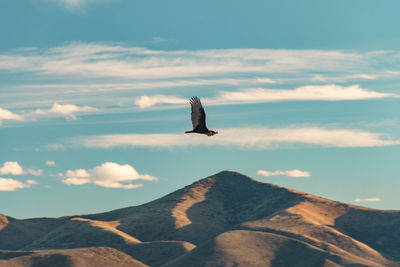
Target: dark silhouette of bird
(199, 118)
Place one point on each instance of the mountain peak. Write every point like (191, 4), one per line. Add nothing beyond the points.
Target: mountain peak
(232, 182)
(238, 196)
(228, 178)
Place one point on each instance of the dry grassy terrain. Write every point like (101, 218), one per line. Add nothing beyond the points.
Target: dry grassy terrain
(223, 220)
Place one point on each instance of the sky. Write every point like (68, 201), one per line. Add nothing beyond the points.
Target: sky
(94, 99)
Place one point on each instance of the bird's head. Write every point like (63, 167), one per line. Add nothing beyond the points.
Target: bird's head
(211, 133)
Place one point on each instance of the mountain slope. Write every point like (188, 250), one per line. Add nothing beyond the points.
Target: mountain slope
(226, 219)
(98, 256)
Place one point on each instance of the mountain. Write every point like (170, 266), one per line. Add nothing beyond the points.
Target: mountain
(227, 219)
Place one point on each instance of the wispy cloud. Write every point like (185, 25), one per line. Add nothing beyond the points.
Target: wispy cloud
(74, 5)
(50, 163)
(109, 174)
(149, 101)
(90, 74)
(8, 184)
(107, 60)
(244, 138)
(372, 199)
(99, 93)
(257, 95)
(88, 61)
(14, 168)
(342, 78)
(67, 110)
(31, 182)
(8, 115)
(291, 173)
(38, 172)
(312, 92)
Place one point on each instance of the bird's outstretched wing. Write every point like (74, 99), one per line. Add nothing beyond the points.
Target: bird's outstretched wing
(198, 115)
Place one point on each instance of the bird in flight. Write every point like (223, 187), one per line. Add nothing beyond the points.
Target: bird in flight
(199, 118)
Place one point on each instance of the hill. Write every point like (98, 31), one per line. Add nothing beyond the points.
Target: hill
(227, 219)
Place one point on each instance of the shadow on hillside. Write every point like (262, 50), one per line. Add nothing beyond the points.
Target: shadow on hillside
(19, 233)
(294, 253)
(81, 234)
(37, 259)
(231, 200)
(378, 229)
(51, 260)
(6, 255)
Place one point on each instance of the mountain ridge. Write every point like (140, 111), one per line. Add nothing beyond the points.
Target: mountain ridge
(201, 223)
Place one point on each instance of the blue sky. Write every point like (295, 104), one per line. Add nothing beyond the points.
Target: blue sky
(94, 99)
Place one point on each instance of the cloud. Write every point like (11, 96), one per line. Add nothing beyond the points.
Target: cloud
(258, 95)
(305, 93)
(148, 101)
(87, 88)
(109, 60)
(109, 174)
(8, 115)
(8, 184)
(50, 163)
(261, 138)
(67, 110)
(38, 172)
(291, 173)
(14, 168)
(92, 74)
(74, 5)
(31, 182)
(342, 78)
(373, 199)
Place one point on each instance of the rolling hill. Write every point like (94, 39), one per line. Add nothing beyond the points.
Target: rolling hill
(227, 219)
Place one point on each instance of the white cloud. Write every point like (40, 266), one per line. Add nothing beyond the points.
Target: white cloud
(361, 76)
(56, 146)
(109, 174)
(92, 73)
(373, 199)
(38, 172)
(31, 182)
(14, 168)
(257, 95)
(101, 60)
(148, 101)
(67, 110)
(8, 115)
(74, 5)
(342, 78)
(8, 184)
(291, 173)
(50, 163)
(311, 92)
(84, 88)
(244, 138)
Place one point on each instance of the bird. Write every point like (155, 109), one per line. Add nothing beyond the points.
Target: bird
(199, 118)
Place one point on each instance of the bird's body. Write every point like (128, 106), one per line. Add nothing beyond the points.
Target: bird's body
(198, 117)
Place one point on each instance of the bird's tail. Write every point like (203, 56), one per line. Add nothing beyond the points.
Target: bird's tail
(189, 132)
